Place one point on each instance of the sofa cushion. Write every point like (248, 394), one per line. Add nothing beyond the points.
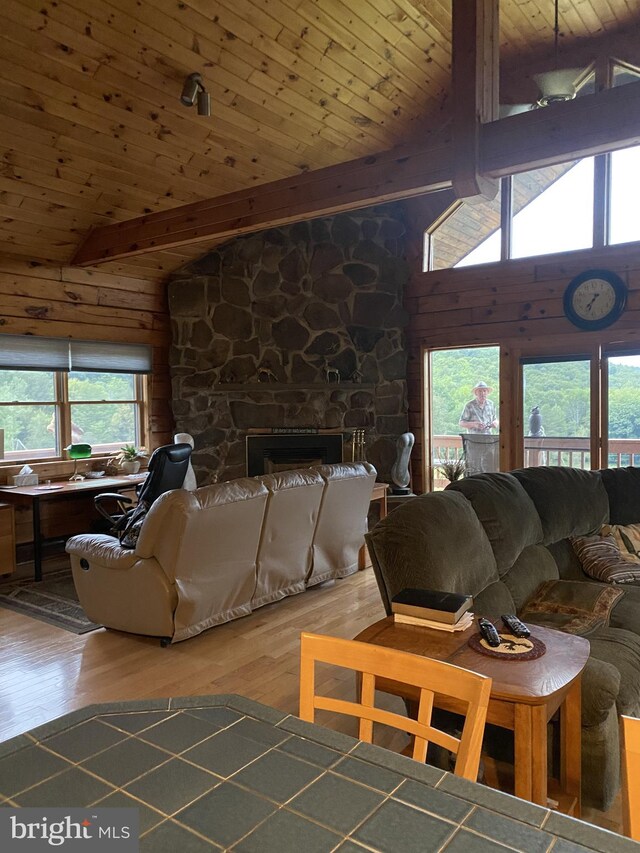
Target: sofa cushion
(575, 607)
(570, 502)
(434, 541)
(534, 566)
(600, 688)
(602, 559)
(626, 611)
(505, 511)
(621, 649)
(623, 489)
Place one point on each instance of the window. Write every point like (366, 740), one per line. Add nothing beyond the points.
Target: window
(44, 410)
(457, 379)
(559, 208)
(556, 415)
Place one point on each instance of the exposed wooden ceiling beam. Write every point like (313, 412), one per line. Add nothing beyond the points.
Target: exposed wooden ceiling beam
(475, 73)
(396, 174)
(580, 128)
(589, 125)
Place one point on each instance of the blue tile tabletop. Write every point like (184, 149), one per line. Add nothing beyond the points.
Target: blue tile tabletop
(211, 773)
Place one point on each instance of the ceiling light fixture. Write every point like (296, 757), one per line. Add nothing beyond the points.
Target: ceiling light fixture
(193, 90)
(557, 85)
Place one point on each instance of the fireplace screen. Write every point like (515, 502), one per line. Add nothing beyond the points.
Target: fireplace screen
(267, 454)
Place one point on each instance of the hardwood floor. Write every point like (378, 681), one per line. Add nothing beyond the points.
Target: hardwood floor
(46, 671)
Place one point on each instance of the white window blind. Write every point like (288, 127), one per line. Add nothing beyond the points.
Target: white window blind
(29, 352)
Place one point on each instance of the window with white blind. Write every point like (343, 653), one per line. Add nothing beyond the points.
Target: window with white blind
(55, 392)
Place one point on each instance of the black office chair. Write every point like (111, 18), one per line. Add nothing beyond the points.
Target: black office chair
(167, 469)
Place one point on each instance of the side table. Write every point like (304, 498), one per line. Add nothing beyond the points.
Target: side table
(379, 494)
(524, 696)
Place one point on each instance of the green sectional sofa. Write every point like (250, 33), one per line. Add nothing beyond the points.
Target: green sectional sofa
(504, 538)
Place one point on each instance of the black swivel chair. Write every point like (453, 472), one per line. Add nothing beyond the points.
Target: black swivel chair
(167, 468)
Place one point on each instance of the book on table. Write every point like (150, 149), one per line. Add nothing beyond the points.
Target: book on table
(464, 622)
(431, 604)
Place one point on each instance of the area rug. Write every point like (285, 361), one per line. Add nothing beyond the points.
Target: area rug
(52, 600)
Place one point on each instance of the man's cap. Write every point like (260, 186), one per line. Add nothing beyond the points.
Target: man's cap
(484, 385)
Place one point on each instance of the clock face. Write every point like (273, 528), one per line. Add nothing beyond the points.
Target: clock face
(595, 299)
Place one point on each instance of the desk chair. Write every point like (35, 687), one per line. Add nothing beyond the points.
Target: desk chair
(630, 743)
(481, 451)
(167, 468)
(431, 676)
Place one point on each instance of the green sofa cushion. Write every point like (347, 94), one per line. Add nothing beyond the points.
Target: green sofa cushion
(534, 566)
(621, 649)
(600, 687)
(570, 502)
(434, 541)
(623, 488)
(506, 512)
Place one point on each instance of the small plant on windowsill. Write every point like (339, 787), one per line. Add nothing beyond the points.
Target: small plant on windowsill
(129, 457)
(453, 469)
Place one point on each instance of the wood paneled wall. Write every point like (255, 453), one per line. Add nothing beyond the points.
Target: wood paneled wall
(517, 305)
(40, 298)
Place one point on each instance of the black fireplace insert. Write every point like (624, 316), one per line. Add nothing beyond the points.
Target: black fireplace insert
(267, 454)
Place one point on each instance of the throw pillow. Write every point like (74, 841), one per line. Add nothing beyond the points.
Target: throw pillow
(627, 537)
(604, 560)
(575, 607)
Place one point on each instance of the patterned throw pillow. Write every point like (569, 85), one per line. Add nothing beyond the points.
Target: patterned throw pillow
(602, 558)
(627, 538)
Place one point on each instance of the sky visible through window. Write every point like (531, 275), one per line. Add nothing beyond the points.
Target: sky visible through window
(560, 219)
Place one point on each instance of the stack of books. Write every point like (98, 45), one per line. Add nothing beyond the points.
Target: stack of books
(444, 611)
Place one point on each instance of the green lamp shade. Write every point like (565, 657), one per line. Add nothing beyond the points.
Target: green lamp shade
(78, 451)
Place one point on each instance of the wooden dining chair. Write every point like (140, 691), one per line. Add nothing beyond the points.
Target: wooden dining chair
(630, 743)
(430, 676)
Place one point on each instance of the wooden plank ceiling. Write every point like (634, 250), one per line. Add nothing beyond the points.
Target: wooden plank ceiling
(94, 131)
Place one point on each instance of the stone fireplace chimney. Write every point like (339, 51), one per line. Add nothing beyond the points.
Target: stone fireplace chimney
(295, 327)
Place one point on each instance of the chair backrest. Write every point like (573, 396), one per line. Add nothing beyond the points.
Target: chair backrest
(482, 452)
(167, 468)
(431, 676)
(630, 743)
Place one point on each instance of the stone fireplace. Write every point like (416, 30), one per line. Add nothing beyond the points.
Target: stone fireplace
(295, 327)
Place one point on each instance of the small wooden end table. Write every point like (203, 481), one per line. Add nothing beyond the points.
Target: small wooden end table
(524, 696)
(379, 494)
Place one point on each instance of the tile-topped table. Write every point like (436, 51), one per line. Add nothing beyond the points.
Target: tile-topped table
(226, 773)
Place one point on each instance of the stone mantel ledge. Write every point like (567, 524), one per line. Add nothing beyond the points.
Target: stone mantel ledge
(221, 387)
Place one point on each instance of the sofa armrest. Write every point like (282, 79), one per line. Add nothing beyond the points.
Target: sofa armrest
(100, 548)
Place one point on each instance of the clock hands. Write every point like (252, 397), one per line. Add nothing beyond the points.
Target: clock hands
(593, 299)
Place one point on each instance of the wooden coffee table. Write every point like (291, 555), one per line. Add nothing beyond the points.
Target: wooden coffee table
(524, 696)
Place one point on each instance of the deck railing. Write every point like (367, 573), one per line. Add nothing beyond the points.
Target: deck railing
(550, 450)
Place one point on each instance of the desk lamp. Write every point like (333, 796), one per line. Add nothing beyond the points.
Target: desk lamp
(77, 451)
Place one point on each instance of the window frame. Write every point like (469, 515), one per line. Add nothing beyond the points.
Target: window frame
(62, 406)
(602, 187)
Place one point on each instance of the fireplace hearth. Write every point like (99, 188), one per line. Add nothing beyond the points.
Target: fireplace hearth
(267, 454)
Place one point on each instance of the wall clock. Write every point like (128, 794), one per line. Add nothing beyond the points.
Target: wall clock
(595, 299)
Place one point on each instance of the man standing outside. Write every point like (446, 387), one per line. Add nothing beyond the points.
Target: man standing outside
(479, 414)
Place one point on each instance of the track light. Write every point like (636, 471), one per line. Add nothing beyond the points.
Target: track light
(192, 90)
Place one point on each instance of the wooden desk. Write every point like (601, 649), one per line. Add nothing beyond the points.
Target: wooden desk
(524, 695)
(379, 494)
(34, 495)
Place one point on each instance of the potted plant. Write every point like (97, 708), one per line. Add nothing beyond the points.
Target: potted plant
(129, 458)
(453, 469)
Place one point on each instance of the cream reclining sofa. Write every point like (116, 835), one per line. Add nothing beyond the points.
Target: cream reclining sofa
(214, 554)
